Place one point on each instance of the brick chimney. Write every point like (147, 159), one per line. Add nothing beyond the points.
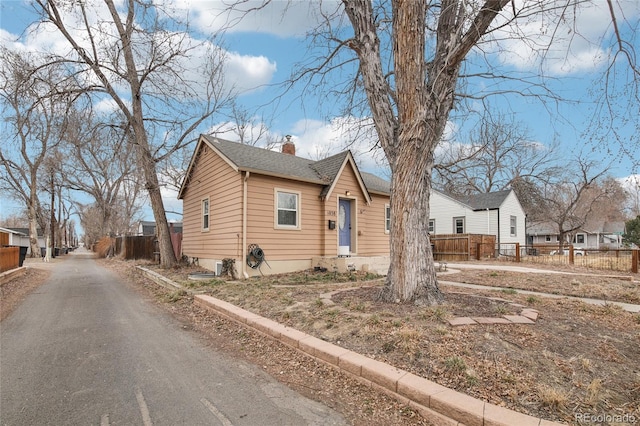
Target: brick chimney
(288, 147)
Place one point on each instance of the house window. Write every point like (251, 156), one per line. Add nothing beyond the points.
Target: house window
(287, 209)
(432, 226)
(547, 238)
(387, 218)
(205, 214)
(458, 225)
(580, 239)
(512, 226)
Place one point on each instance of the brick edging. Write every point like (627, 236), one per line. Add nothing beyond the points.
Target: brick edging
(9, 275)
(449, 406)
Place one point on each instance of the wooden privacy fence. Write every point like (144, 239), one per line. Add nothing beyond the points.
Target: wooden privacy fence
(145, 246)
(4, 239)
(452, 247)
(136, 247)
(9, 258)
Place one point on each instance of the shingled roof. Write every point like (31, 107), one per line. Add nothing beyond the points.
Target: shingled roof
(491, 200)
(259, 160)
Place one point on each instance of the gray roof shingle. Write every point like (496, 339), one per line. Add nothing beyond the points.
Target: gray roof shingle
(491, 200)
(323, 172)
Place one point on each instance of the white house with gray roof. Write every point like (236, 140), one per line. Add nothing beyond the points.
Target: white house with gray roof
(494, 213)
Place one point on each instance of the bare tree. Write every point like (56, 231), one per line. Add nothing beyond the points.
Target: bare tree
(135, 54)
(412, 61)
(410, 112)
(34, 101)
(583, 194)
(497, 152)
(97, 162)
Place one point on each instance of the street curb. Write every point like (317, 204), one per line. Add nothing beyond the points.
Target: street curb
(11, 274)
(449, 407)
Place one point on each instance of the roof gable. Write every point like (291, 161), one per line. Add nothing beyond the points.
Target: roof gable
(262, 161)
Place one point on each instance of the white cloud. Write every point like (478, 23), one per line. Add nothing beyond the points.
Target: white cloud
(280, 18)
(241, 73)
(560, 40)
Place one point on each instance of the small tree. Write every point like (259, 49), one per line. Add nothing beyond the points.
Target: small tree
(632, 232)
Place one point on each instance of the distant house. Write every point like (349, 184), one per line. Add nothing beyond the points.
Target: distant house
(299, 212)
(149, 228)
(597, 234)
(20, 237)
(494, 213)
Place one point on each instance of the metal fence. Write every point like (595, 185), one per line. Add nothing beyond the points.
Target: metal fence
(626, 260)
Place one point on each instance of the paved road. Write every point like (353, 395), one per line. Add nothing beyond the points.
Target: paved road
(86, 350)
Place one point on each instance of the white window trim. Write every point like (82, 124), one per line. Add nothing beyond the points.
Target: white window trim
(513, 229)
(298, 224)
(202, 214)
(584, 238)
(429, 226)
(387, 220)
(464, 225)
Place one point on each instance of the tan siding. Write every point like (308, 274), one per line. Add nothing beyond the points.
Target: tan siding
(368, 237)
(374, 241)
(212, 177)
(283, 244)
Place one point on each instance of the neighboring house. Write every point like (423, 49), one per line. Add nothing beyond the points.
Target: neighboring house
(494, 213)
(298, 211)
(149, 228)
(16, 237)
(595, 235)
(20, 237)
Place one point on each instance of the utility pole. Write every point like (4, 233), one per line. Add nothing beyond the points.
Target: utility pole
(53, 218)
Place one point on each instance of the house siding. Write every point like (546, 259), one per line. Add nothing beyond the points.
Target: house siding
(213, 178)
(374, 241)
(283, 244)
(489, 222)
(443, 209)
(511, 207)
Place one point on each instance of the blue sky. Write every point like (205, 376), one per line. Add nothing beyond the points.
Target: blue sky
(263, 47)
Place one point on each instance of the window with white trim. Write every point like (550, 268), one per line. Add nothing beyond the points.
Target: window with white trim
(580, 239)
(513, 229)
(287, 209)
(387, 218)
(205, 214)
(432, 226)
(458, 225)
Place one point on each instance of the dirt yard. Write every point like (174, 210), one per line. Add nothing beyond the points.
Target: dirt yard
(576, 361)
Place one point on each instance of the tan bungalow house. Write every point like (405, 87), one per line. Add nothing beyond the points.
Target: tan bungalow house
(275, 212)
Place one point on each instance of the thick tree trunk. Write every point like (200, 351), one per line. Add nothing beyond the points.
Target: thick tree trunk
(412, 275)
(167, 256)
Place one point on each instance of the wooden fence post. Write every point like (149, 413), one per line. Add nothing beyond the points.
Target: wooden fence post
(517, 252)
(571, 254)
(635, 259)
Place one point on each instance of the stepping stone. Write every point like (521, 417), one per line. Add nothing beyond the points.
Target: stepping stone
(532, 314)
(461, 321)
(518, 319)
(490, 320)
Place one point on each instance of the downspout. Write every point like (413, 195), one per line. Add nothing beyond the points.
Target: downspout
(488, 223)
(498, 232)
(244, 223)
